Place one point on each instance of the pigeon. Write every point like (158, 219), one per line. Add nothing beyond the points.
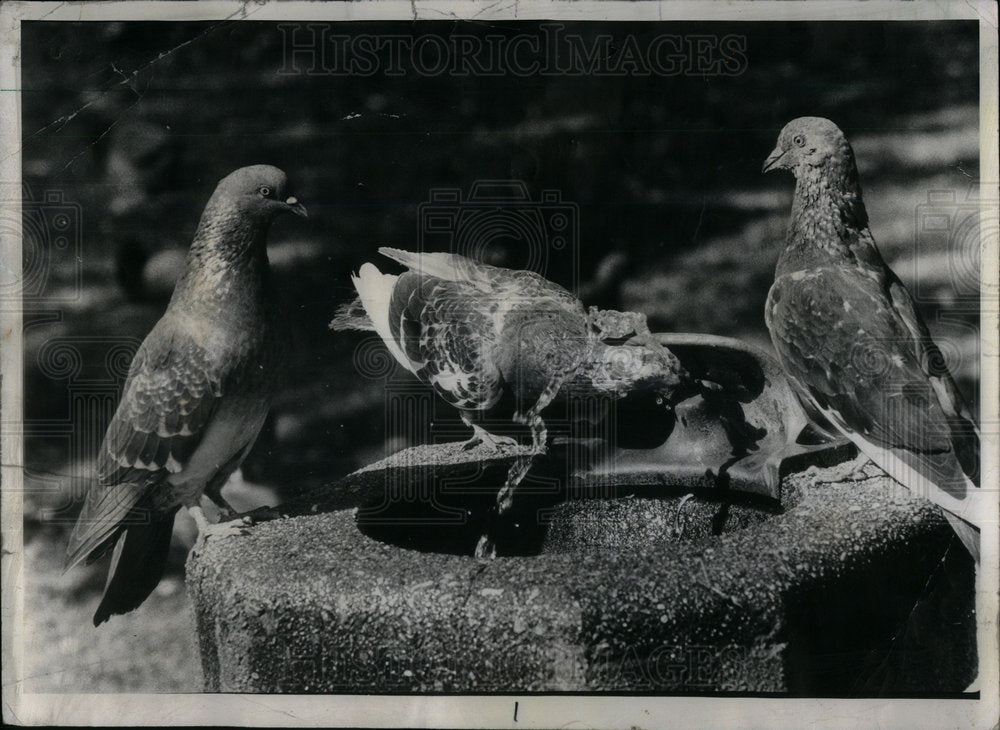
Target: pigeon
(851, 341)
(197, 393)
(478, 333)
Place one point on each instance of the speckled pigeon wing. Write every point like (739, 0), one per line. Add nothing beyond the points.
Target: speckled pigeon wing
(172, 390)
(928, 355)
(447, 330)
(448, 314)
(446, 267)
(963, 430)
(845, 348)
(522, 289)
(494, 281)
(931, 359)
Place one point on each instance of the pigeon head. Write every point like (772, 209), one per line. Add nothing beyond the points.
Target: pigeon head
(259, 192)
(826, 177)
(807, 144)
(234, 225)
(640, 366)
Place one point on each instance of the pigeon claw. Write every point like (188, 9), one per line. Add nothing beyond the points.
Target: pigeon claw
(237, 527)
(480, 435)
(848, 471)
(490, 441)
(234, 525)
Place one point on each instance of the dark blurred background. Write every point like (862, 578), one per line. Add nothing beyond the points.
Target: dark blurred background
(127, 128)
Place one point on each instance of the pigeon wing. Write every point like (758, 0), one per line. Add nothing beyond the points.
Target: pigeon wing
(848, 350)
(172, 390)
(447, 329)
(931, 360)
(494, 281)
(849, 353)
(448, 315)
(446, 267)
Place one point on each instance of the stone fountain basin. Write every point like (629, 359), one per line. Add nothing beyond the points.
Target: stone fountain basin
(857, 590)
(751, 432)
(614, 579)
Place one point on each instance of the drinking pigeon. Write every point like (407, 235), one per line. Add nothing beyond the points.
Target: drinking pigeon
(196, 395)
(851, 340)
(477, 333)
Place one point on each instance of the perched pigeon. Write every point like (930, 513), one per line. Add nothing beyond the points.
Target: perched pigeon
(196, 394)
(851, 341)
(479, 333)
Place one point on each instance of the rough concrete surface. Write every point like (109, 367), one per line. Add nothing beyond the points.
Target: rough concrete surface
(851, 589)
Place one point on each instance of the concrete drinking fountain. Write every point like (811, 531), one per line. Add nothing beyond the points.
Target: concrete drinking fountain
(688, 557)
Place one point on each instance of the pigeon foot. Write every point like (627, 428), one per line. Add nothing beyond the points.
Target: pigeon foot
(230, 524)
(221, 530)
(494, 443)
(480, 435)
(854, 470)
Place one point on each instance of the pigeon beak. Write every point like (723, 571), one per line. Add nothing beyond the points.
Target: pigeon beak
(296, 207)
(772, 159)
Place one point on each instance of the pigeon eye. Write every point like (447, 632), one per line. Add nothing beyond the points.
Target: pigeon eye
(265, 191)
(799, 140)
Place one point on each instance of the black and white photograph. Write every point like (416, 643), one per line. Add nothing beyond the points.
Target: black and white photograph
(463, 364)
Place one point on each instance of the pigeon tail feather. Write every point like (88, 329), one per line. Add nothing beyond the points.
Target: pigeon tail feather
(954, 492)
(137, 565)
(98, 524)
(375, 292)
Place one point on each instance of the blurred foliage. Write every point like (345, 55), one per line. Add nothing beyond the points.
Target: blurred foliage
(639, 154)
